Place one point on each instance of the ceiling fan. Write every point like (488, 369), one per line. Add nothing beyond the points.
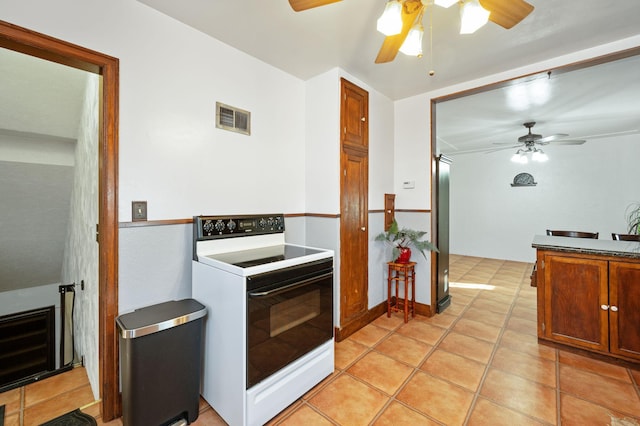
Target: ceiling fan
(505, 13)
(528, 144)
(530, 140)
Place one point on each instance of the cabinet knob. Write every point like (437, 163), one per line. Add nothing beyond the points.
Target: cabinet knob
(363, 229)
(604, 307)
(614, 308)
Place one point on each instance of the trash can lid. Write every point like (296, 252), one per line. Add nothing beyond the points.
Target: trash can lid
(154, 318)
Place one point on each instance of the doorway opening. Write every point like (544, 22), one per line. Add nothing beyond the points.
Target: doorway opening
(42, 46)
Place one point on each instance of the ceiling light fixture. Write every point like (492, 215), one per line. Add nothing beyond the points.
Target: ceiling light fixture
(390, 22)
(472, 16)
(412, 46)
(537, 155)
(445, 3)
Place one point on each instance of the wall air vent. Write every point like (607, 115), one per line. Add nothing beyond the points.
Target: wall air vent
(233, 119)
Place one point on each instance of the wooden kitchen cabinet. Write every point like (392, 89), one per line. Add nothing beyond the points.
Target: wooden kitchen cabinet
(574, 290)
(589, 300)
(624, 310)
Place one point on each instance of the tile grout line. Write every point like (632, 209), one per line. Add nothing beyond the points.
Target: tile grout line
(558, 409)
(516, 296)
(21, 412)
(476, 394)
(435, 347)
(495, 348)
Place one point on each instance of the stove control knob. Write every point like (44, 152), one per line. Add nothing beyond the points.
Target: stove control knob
(262, 223)
(279, 222)
(207, 227)
(231, 226)
(219, 226)
(270, 222)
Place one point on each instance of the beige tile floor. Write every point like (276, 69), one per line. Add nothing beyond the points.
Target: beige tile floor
(478, 363)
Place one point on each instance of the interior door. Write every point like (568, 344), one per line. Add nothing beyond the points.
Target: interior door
(354, 183)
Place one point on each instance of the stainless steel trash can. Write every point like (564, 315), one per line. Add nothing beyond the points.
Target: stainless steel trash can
(161, 362)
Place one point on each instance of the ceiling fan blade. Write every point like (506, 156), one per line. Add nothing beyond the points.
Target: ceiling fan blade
(300, 5)
(569, 142)
(552, 138)
(487, 151)
(507, 13)
(391, 44)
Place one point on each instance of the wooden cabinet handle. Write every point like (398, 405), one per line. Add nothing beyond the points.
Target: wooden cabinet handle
(604, 307)
(614, 308)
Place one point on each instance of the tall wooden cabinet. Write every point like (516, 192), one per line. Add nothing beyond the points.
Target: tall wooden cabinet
(590, 301)
(354, 190)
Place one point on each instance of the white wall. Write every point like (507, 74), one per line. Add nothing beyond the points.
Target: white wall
(81, 249)
(171, 76)
(322, 139)
(580, 188)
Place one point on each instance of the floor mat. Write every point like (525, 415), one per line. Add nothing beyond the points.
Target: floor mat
(74, 418)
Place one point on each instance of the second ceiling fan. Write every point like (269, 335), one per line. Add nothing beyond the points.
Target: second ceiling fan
(530, 140)
(505, 13)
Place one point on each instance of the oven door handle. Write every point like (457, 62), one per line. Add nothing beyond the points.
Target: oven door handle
(279, 290)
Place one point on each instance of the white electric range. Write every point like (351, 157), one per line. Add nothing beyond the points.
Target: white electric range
(269, 331)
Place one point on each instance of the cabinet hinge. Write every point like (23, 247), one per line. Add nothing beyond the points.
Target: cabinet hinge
(97, 233)
(542, 265)
(543, 327)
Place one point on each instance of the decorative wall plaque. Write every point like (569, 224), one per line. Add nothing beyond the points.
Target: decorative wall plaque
(523, 179)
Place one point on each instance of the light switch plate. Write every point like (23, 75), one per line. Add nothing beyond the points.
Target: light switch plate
(138, 210)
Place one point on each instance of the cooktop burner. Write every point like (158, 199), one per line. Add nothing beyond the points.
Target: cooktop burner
(263, 255)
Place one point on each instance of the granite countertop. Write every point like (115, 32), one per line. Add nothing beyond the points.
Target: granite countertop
(628, 249)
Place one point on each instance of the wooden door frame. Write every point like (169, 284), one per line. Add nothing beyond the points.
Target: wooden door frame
(42, 46)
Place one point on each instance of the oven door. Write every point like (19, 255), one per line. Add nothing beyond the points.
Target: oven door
(289, 313)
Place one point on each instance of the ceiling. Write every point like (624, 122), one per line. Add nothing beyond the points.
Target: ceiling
(344, 35)
(586, 104)
(590, 103)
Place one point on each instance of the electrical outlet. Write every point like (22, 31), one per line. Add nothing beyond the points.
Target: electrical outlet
(138, 210)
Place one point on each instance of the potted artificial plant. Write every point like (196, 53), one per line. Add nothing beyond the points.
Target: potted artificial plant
(633, 218)
(401, 241)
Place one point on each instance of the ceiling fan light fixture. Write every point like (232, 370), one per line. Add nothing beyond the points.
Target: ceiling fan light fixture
(472, 16)
(520, 157)
(445, 3)
(390, 22)
(412, 46)
(539, 156)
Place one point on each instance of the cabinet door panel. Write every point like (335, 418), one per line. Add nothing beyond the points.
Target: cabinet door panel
(624, 283)
(575, 289)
